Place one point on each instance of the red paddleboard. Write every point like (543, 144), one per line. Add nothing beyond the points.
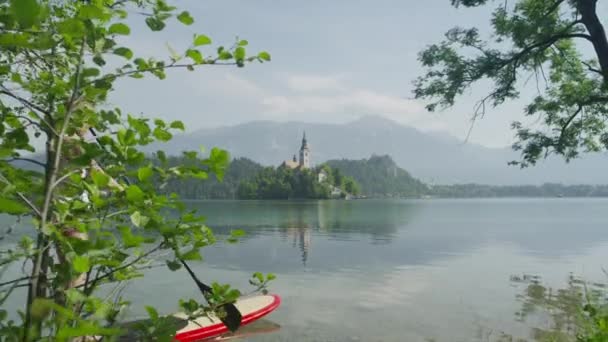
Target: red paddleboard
(251, 308)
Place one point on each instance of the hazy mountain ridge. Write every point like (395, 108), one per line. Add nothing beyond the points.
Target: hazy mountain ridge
(428, 157)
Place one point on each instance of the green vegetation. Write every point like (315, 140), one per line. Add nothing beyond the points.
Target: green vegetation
(285, 183)
(545, 190)
(560, 44)
(576, 313)
(60, 61)
(379, 176)
(239, 170)
(376, 177)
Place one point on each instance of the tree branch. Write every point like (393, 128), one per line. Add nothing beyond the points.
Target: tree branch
(120, 268)
(568, 122)
(170, 66)
(29, 105)
(25, 160)
(64, 177)
(118, 3)
(592, 69)
(554, 7)
(25, 102)
(22, 196)
(14, 281)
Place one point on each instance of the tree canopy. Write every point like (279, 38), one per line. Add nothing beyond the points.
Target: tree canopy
(285, 183)
(561, 44)
(97, 214)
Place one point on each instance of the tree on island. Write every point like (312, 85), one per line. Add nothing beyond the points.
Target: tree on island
(93, 203)
(286, 183)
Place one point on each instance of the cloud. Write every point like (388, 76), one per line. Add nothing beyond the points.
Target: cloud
(357, 102)
(312, 83)
(316, 98)
(314, 95)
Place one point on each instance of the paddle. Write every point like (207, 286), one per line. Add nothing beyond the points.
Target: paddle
(233, 316)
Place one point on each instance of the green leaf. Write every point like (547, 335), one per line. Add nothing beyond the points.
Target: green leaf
(201, 39)
(124, 52)
(119, 28)
(161, 156)
(152, 313)
(41, 308)
(243, 42)
(239, 53)
(97, 59)
(90, 72)
(155, 24)
(134, 194)
(195, 55)
(144, 173)
(174, 265)
(26, 12)
(100, 178)
(238, 233)
(81, 264)
(12, 207)
(162, 134)
(264, 56)
(193, 254)
(72, 27)
(139, 220)
(177, 125)
(185, 18)
(129, 239)
(91, 12)
(218, 162)
(225, 55)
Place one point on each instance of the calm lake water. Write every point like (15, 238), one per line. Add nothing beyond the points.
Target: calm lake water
(393, 270)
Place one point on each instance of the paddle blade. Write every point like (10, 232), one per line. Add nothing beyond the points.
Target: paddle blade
(232, 319)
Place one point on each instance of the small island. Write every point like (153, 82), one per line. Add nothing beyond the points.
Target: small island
(297, 179)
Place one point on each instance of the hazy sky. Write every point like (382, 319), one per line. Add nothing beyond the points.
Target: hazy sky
(332, 61)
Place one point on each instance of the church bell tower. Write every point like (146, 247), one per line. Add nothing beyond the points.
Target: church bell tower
(304, 154)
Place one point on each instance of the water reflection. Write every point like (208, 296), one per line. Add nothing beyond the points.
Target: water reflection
(301, 222)
(385, 233)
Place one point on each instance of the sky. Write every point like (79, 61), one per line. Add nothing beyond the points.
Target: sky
(332, 61)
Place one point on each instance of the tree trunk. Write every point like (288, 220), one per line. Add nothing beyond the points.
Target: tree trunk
(596, 31)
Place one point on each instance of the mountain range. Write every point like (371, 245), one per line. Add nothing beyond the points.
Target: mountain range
(435, 158)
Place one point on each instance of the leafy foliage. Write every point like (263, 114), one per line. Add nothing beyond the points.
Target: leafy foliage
(577, 312)
(239, 170)
(285, 183)
(98, 214)
(532, 39)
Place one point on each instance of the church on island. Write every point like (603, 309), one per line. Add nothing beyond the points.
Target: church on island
(304, 161)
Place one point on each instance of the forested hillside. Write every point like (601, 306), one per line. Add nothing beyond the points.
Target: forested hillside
(380, 176)
(240, 169)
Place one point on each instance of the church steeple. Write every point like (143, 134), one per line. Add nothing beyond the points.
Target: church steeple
(304, 153)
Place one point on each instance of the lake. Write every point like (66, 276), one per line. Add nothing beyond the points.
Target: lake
(393, 270)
